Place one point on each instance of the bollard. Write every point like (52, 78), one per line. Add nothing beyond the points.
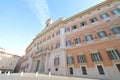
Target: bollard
(36, 74)
(49, 73)
(5, 72)
(8, 73)
(21, 73)
(0, 72)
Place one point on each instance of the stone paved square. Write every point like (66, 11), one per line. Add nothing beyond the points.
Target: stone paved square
(32, 76)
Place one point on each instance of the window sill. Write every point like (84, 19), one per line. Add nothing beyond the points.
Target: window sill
(104, 38)
(117, 35)
(98, 62)
(90, 42)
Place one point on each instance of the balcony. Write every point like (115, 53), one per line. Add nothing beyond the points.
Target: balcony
(41, 52)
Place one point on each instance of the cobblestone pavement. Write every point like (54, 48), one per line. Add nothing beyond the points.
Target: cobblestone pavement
(32, 76)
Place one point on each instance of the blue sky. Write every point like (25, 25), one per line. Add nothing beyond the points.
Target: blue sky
(22, 20)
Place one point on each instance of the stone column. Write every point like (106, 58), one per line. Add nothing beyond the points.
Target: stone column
(46, 63)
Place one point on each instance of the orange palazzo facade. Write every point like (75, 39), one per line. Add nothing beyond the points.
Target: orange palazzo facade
(84, 45)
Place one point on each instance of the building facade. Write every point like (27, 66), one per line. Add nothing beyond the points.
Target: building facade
(8, 61)
(84, 45)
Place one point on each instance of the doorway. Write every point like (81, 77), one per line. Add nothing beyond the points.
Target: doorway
(37, 66)
(71, 70)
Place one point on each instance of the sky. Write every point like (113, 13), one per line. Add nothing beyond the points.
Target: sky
(22, 20)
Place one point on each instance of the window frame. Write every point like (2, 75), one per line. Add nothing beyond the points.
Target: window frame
(116, 30)
(96, 57)
(93, 20)
(74, 27)
(100, 34)
(81, 59)
(57, 45)
(70, 60)
(56, 61)
(84, 23)
(67, 29)
(104, 15)
(100, 70)
(77, 40)
(84, 71)
(87, 39)
(114, 11)
(68, 43)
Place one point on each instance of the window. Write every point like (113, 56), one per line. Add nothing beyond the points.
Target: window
(56, 61)
(104, 15)
(116, 11)
(113, 54)
(74, 27)
(116, 30)
(51, 47)
(84, 70)
(118, 66)
(100, 69)
(88, 37)
(67, 29)
(96, 57)
(48, 38)
(102, 34)
(37, 66)
(58, 33)
(70, 60)
(77, 41)
(56, 69)
(58, 45)
(68, 43)
(93, 20)
(52, 35)
(81, 59)
(71, 70)
(83, 23)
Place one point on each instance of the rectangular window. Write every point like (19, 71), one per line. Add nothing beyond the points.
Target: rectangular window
(100, 69)
(88, 37)
(104, 15)
(67, 29)
(58, 45)
(56, 69)
(84, 71)
(52, 35)
(81, 59)
(58, 33)
(118, 66)
(113, 54)
(70, 60)
(96, 57)
(56, 61)
(68, 43)
(48, 38)
(83, 23)
(51, 47)
(116, 11)
(93, 20)
(102, 34)
(77, 41)
(116, 30)
(74, 27)
(71, 70)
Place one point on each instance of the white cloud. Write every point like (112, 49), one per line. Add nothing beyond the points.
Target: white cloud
(40, 8)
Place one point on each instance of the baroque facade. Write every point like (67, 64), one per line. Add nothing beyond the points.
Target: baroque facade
(84, 45)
